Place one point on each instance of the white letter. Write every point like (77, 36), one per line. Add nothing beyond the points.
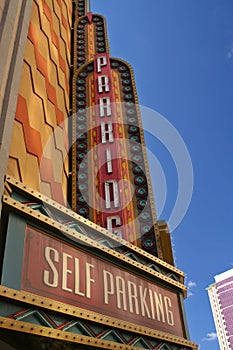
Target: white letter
(101, 62)
(77, 278)
(169, 314)
(103, 83)
(120, 289)
(152, 304)
(118, 223)
(109, 160)
(65, 272)
(105, 106)
(54, 282)
(88, 280)
(159, 306)
(115, 194)
(108, 287)
(144, 305)
(132, 292)
(107, 132)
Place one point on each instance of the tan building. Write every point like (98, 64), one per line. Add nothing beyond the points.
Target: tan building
(221, 301)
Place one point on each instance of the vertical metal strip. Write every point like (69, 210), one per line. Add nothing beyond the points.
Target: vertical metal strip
(88, 5)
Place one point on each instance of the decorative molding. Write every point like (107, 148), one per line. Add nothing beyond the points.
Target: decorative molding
(49, 304)
(115, 255)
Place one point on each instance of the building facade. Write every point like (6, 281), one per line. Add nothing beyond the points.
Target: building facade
(221, 300)
(84, 261)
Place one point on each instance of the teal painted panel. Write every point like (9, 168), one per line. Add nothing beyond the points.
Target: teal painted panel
(32, 318)
(7, 309)
(13, 254)
(186, 330)
(19, 197)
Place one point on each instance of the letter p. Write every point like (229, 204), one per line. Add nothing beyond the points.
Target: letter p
(101, 62)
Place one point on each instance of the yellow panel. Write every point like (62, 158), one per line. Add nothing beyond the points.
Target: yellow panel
(51, 114)
(42, 41)
(42, 113)
(18, 148)
(13, 169)
(66, 166)
(46, 26)
(55, 23)
(60, 99)
(28, 164)
(39, 3)
(31, 173)
(65, 12)
(62, 49)
(52, 73)
(59, 141)
(57, 164)
(57, 8)
(64, 35)
(45, 189)
(29, 55)
(54, 52)
(40, 90)
(64, 181)
(35, 108)
(48, 49)
(62, 81)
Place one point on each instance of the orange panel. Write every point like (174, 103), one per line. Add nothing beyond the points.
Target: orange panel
(47, 175)
(32, 137)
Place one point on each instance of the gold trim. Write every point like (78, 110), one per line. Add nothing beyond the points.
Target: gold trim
(77, 7)
(90, 41)
(29, 328)
(67, 309)
(73, 160)
(75, 42)
(101, 230)
(106, 34)
(88, 241)
(150, 190)
(75, 39)
(132, 227)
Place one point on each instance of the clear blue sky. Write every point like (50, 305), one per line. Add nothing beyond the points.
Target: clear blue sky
(182, 55)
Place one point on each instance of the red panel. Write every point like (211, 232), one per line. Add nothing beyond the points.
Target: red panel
(89, 16)
(116, 162)
(67, 274)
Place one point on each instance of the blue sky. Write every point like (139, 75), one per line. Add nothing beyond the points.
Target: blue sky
(182, 55)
